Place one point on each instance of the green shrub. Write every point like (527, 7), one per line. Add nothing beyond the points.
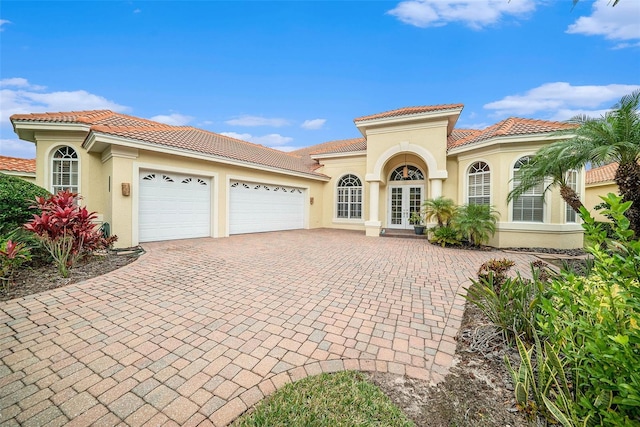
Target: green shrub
(16, 198)
(476, 223)
(594, 323)
(446, 235)
(498, 268)
(12, 256)
(511, 303)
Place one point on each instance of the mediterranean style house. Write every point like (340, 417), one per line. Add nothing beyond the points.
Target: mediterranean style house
(152, 181)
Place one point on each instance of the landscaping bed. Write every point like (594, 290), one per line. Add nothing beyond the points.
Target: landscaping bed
(39, 277)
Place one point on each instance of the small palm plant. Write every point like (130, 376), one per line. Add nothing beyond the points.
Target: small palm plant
(441, 209)
(477, 223)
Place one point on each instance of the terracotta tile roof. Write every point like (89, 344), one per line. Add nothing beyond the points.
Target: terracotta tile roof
(407, 111)
(92, 117)
(338, 146)
(458, 136)
(16, 164)
(601, 174)
(508, 127)
(182, 137)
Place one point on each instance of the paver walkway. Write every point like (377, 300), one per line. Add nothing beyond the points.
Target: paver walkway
(197, 331)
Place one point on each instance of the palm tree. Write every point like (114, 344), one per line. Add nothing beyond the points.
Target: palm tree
(441, 209)
(477, 223)
(614, 137)
(551, 164)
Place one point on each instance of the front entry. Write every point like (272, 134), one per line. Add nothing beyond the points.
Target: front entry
(403, 201)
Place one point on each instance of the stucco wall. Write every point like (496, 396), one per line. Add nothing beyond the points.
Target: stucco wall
(592, 197)
(90, 166)
(124, 215)
(336, 168)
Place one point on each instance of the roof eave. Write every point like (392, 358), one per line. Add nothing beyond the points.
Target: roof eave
(26, 129)
(451, 114)
(506, 139)
(98, 141)
(338, 154)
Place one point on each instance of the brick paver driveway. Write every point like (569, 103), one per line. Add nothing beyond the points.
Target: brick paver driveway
(197, 331)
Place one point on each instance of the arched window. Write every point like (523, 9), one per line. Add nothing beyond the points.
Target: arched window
(349, 197)
(530, 205)
(572, 182)
(64, 170)
(413, 174)
(479, 179)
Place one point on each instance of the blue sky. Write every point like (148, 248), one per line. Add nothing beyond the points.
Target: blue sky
(293, 74)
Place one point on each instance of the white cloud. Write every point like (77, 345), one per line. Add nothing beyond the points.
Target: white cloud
(614, 23)
(137, 11)
(313, 124)
(174, 119)
(19, 82)
(475, 14)
(18, 96)
(17, 148)
(3, 22)
(560, 98)
(257, 121)
(273, 140)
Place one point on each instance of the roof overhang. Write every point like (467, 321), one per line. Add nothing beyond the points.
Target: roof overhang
(97, 142)
(338, 155)
(451, 114)
(511, 139)
(26, 130)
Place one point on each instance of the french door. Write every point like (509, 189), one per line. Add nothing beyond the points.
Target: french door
(403, 201)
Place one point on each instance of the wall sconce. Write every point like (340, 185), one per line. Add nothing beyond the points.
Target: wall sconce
(126, 189)
(311, 200)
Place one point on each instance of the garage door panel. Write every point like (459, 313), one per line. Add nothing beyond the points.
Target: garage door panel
(173, 206)
(258, 208)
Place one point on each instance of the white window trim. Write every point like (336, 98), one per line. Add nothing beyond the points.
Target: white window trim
(48, 173)
(546, 206)
(465, 195)
(338, 220)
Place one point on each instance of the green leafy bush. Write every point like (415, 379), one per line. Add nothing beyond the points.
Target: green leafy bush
(16, 201)
(12, 256)
(594, 323)
(476, 223)
(445, 235)
(511, 303)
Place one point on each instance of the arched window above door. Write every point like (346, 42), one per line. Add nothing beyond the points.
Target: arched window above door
(413, 174)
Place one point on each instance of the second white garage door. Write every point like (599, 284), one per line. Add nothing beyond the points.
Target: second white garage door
(173, 206)
(262, 207)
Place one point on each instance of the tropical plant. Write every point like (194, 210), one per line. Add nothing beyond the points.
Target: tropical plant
(510, 303)
(594, 323)
(12, 256)
(445, 235)
(441, 209)
(16, 198)
(549, 167)
(614, 137)
(477, 223)
(415, 219)
(66, 230)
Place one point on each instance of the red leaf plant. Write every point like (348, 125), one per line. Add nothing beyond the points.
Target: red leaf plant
(67, 230)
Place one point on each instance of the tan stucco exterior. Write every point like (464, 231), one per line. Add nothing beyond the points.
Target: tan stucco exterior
(592, 197)
(418, 141)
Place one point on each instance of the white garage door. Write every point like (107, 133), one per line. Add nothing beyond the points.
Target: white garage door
(259, 207)
(173, 206)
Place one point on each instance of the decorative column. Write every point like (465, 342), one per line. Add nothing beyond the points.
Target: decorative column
(436, 188)
(373, 225)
